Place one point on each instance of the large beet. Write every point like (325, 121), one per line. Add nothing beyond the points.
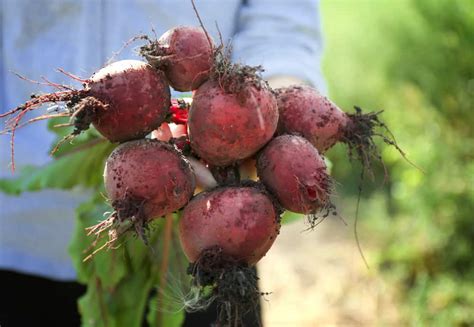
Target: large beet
(242, 221)
(294, 172)
(226, 127)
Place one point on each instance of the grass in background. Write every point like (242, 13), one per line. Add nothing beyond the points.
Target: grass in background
(415, 60)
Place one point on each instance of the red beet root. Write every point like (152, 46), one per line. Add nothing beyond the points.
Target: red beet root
(125, 100)
(137, 99)
(223, 233)
(225, 127)
(144, 179)
(303, 110)
(242, 221)
(152, 173)
(294, 172)
(185, 54)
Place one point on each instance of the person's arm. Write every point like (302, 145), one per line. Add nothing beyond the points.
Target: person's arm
(284, 37)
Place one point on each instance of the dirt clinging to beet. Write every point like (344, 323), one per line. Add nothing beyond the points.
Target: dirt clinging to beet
(233, 283)
(223, 243)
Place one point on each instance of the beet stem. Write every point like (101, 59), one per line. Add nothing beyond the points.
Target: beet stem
(167, 237)
(202, 25)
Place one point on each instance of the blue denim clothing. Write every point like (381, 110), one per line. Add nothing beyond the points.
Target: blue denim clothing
(38, 36)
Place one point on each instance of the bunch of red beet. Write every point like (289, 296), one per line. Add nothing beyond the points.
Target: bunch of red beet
(234, 118)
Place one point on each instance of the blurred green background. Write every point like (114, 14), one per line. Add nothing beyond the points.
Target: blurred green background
(415, 60)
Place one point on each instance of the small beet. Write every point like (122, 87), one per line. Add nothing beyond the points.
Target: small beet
(294, 172)
(305, 111)
(224, 232)
(185, 54)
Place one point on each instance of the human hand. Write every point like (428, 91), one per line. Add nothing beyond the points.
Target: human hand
(284, 81)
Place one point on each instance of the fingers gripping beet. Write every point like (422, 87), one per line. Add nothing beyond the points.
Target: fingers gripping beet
(294, 172)
(144, 179)
(185, 54)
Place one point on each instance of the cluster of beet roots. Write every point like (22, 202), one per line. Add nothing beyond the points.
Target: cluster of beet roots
(235, 120)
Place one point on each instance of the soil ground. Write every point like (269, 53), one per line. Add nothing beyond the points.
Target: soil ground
(317, 278)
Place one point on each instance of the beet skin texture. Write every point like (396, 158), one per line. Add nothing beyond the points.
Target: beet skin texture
(150, 175)
(305, 111)
(136, 99)
(294, 172)
(225, 128)
(241, 220)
